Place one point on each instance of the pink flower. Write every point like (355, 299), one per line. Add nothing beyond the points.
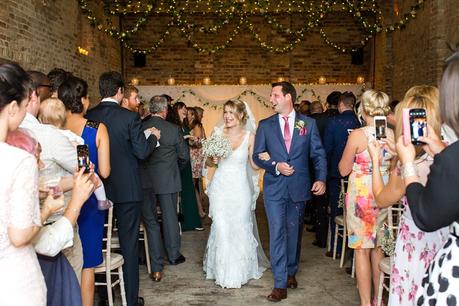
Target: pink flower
(303, 131)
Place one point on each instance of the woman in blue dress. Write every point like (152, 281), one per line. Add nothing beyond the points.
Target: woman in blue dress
(74, 94)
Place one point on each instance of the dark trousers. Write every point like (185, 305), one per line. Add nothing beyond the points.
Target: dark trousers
(128, 221)
(285, 220)
(168, 203)
(320, 205)
(334, 189)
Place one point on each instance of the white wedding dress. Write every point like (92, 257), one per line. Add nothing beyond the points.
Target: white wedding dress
(233, 254)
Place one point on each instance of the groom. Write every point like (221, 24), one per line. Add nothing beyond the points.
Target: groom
(293, 143)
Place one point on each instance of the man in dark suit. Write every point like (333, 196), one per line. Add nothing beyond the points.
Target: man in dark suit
(161, 181)
(292, 140)
(127, 145)
(335, 138)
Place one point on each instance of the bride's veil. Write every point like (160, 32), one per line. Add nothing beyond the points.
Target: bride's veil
(253, 177)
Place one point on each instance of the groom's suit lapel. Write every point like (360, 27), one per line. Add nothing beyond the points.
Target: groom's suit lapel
(278, 132)
(295, 133)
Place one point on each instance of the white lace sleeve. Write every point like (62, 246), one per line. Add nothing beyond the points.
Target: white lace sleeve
(24, 209)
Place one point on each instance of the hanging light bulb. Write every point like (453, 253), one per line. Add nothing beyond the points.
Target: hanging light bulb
(242, 80)
(206, 81)
(322, 80)
(360, 80)
(171, 81)
(135, 81)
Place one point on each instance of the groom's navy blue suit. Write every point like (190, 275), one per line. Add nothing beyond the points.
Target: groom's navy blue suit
(285, 196)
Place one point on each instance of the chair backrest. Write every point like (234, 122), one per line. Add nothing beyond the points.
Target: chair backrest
(342, 196)
(108, 238)
(394, 214)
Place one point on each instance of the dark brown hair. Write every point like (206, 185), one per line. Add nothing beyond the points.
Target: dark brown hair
(449, 96)
(287, 88)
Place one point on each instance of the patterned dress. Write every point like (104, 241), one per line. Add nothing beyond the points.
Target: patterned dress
(414, 250)
(363, 217)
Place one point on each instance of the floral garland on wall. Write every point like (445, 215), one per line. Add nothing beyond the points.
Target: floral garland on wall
(238, 12)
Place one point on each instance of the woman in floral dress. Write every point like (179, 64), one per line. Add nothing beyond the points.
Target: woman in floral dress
(363, 217)
(414, 249)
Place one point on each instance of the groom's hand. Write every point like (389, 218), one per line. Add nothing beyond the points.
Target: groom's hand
(285, 169)
(318, 188)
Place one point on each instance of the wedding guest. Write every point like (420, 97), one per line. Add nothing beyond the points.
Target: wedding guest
(188, 205)
(414, 249)
(56, 77)
(73, 92)
(59, 158)
(21, 279)
(196, 154)
(41, 84)
(363, 217)
(61, 281)
(332, 103)
(127, 146)
(335, 138)
(160, 174)
(434, 205)
(131, 99)
(304, 107)
(200, 112)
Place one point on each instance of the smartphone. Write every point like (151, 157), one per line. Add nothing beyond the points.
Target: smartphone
(380, 127)
(83, 158)
(406, 126)
(418, 124)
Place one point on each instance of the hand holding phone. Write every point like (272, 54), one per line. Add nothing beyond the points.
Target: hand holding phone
(83, 158)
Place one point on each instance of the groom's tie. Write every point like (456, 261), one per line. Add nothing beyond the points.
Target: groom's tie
(287, 136)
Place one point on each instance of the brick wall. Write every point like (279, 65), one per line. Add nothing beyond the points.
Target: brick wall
(244, 57)
(43, 34)
(418, 52)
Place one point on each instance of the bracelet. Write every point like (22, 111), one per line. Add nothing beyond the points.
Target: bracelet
(409, 169)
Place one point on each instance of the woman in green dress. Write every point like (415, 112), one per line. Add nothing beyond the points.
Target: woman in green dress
(188, 205)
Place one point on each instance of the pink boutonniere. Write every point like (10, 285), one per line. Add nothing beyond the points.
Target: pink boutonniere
(301, 127)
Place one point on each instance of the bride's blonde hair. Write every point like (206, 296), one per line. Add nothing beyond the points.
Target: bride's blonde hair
(239, 107)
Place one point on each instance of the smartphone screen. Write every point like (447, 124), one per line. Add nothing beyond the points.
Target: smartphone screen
(83, 158)
(418, 124)
(380, 127)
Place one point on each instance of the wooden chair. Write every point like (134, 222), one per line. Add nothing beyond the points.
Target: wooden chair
(112, 264)
(394, 213)
(341, 228)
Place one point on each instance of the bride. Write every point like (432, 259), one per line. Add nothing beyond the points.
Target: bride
(234, 254)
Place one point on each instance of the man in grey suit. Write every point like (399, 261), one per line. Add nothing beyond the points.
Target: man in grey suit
(161, 182)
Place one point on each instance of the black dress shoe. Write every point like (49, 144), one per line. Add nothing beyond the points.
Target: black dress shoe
(179, 260)
(140, 301)
(318, 244)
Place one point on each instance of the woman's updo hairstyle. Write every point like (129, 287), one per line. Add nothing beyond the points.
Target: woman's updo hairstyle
(239, 107)
(70, 93)
(15, 84)
(375, 103)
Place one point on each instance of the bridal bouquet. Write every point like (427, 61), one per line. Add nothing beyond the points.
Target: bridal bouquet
(216, 146)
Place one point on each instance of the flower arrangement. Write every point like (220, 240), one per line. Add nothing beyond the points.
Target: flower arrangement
(216, 146)
(301, 127)
(387, 241)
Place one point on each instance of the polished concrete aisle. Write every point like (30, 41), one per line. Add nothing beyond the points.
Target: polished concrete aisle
(321, 281)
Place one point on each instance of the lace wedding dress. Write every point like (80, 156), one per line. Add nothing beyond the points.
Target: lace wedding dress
(233, 254)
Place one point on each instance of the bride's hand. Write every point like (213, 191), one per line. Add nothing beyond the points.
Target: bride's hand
(264, 156)
(215, 160)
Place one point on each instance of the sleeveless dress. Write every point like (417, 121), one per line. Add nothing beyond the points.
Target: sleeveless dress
(21, 280)
(363, 217)
(91, 219)
(188, 205)
(197, 159)
(414, 250)
(231, 254)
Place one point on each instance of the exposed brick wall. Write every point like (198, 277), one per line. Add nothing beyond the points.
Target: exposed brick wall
(420, 49)
(43, 34)
(244, 57)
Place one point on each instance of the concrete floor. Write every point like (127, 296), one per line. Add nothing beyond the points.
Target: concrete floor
(321, 281)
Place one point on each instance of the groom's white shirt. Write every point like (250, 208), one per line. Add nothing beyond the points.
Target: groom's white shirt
(291, 122)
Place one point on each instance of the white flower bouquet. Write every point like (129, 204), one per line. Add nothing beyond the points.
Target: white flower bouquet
(216, 146)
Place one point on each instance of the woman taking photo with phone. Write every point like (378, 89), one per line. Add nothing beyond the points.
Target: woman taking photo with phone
(363, 217)
(74, 94)
(414, 248)
(435, 205)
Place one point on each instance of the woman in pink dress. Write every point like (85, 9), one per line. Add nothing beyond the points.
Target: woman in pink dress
(21, 280)
(414, 249)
